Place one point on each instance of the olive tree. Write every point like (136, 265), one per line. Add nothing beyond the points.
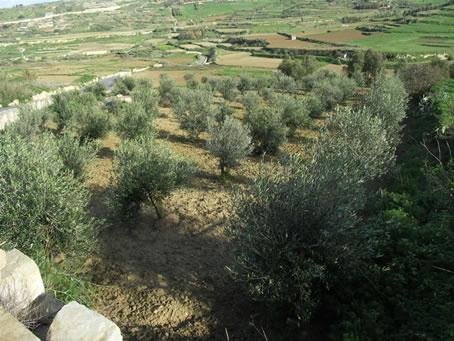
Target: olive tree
(296, 227)
(194, 109)
(145, 173)
(134, 121)
(229, 142)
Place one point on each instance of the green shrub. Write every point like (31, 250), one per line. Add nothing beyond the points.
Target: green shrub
(166, 89)
(43, 207)
(145, 172)
(442, 96)
(148, 98)
(223, 111)
(75, 156)
(30, 122)
(194, 109)
(67, 104)
(284, 83)
(90, 122)
(295, 228)
(98, 89)
(229, 142)
(387, 99)
(134, 121)
(294, 112)
(298, 69)
(268, 129)
(251, 101)
(419, 78)
(123, 85)
(227, 86)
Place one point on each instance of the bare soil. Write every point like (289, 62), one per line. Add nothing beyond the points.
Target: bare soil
(246, 59)
(342, 36)
(166, 279)
(280, 41)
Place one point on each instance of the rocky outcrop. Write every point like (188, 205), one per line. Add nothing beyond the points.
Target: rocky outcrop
(74, 322)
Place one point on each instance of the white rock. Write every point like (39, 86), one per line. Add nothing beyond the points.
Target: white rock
(12, 330)
(2, 260)
(75, 322)
(20, 280)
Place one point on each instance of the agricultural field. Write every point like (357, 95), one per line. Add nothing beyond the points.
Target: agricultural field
(279, 69)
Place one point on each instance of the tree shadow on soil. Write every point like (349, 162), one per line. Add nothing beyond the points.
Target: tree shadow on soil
(166, 280)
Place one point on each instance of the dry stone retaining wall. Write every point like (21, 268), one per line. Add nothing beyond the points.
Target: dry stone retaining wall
(22, 297)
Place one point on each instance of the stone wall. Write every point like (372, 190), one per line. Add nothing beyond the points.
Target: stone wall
(28, 313)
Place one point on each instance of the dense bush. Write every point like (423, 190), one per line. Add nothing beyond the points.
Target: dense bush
(134, 121)
(75, 156)
(387, 99)
(223, 111)
(251, 101)
(166, 89)
(294, 112)
(30, 122)
(229, 142)
(373, 64)
(268, 129)
(298, 69)
(98, 89)
(284, 83)
(123, 85)
(145, 172)
(43, 207)
(148, 98)
(295, 229)
(65, 105)
(419, 78)
(227, 87)
(91, 123)
(194, 109)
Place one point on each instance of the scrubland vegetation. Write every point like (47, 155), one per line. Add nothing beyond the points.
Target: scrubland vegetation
(208, 202)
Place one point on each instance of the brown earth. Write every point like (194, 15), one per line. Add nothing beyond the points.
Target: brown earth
(166, 279)
(342, 36)
(246, 59)
(280, 41)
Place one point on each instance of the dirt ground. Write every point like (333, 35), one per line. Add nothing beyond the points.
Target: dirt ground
(342, 36)
(246, 59)
(279, 41)
(166, 279)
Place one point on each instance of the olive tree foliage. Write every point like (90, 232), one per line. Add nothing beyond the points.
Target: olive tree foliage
(145, 173)
(75, 155)
(229, 142)
(251, 101)
(284, 83)
(81, 114)
(194, 109)
(294, 112)
(123, 85)
(373, 64)
(90, 123)
(148, 98)
(268, 129)
(419, 78)
(296, 227)
(298, 69)
(65, 105)
(227, 86)
(387, 99)
(166, 89)
(98, 89)
(134, 121)
(43, 208)
(30, 122)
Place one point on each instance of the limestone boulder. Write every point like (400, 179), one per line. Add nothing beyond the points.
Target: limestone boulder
(11, 329)
(75, 322)
(20, 280)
